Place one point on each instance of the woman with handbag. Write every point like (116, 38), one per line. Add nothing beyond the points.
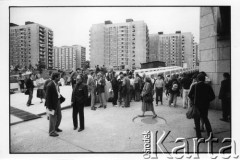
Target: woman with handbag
(40, 84)
(147, 94)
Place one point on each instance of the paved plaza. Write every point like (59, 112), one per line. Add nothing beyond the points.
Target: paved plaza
(114, 129)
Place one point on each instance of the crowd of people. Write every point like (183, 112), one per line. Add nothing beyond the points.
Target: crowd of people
(126, 87)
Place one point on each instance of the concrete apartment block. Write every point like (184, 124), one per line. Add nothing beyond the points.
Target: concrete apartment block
(29, 44)
(119, 45)
(176, 49)
(215, 46)
(97, 45)
(69, 57)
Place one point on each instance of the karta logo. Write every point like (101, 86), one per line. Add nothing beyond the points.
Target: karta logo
(153, 146)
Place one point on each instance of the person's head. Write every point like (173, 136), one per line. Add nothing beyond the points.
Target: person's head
(31, 76)
(56, 76)
(226, 75)
(38, 75)
(204, 73)
(121, 74)
(144, 75)
(79, 79)
(20, 74)
(201, 77)
(148, 79)
(125, 75)
(78, 70)
(159, 76)
(50, 73)
(91, 73)
(99, 75)
(127, 70)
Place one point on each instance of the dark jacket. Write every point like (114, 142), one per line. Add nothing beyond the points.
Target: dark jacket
(120, 87)
(114, 83)
(225, 89)
(204, 95)
(79, 94)
(29, 84)
(45, 85)
(170, 84)
(51, 96)
(126, 86)
(101, 85)
(185, 82)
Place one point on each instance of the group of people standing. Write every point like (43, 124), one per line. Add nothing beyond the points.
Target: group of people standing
(126, 87)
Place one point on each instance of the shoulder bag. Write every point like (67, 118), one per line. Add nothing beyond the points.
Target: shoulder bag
(193, 111)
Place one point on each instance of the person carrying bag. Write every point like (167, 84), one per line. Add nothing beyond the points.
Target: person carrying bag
(193, 110)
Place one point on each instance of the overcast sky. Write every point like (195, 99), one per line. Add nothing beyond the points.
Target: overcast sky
(71, 24)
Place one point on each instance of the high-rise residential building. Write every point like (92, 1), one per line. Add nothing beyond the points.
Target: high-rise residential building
(119, 45)
(69, 57)
(174, 49)
(31, 44)
(195, 54)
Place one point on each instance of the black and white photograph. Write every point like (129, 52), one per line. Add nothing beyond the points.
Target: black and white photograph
(134, 81)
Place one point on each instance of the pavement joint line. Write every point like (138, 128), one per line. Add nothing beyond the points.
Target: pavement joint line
(62, 139)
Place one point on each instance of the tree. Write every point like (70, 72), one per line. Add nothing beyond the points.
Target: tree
(16, 68)
(40, 66)
(87, 64)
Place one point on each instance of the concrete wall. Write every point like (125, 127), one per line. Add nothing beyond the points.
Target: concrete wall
(214, 54)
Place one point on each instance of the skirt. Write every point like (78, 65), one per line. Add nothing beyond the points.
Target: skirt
(147, 106)
(40, 93)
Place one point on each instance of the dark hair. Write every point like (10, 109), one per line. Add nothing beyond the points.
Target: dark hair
(125, 74)
(203, 73)
(148, 79)
(120, 73)
(50, 73)
(194, 76)
(78, 69)
(92, 73)
(201, 77)
(226, 75)
(55, 75)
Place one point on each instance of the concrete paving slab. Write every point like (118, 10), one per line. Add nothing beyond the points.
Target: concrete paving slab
(110, 130)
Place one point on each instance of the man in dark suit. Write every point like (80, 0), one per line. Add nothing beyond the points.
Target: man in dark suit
(225, 96)
(74, 76)
(126, 90)
(53, 104)
(79, 97)
(30, 87)
(203, 95)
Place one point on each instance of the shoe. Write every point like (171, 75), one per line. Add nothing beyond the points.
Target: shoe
(79, 130)
(100, 106)
(41, 102)
(29, 104)
(93, 108)
(74, 128)
(105, 107)
(58, 130)
(154, 116)
(54, 134)
(140, 115)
